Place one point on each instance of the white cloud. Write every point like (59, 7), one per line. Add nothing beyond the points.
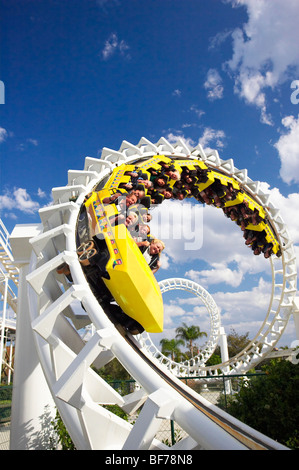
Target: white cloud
(41, 193)
(33, 142)
(250, 86)
(264, 51)
(212, 136)
(6, 202)
(244, 310)
(288, 207)
(110, 46)
(218, 274)
(288, 150)
(199, 112)
(213, 85)
(113, 45)
(164, 261)
(19, 200)
(177, 92)
(173, 138)
(24, 202)
(24, 145)
(170, 312)
(219, 39)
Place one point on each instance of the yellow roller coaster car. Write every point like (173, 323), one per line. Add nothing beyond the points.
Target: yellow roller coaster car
(116, 258)
(116, 269)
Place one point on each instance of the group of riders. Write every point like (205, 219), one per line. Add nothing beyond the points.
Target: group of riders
(146, 189)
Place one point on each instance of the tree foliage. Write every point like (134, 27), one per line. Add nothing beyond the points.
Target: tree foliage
(170, 347)
(63, 437)
(189, 334)
(270, 404)
(236, 342)
(113, 370)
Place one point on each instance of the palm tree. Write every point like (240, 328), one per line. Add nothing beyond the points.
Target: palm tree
(189, 334)
(171, 346)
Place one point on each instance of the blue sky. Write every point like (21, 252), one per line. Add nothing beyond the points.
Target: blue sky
(83, 75)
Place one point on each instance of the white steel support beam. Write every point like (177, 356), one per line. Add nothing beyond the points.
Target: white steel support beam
(31, 399)
(159, 405)
(77, 391)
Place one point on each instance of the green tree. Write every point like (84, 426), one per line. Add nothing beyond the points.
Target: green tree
(63, 437)
(214, 360)
(113, 370)
(171, 347)
(189, 334)
(269, 403)
(236, 343)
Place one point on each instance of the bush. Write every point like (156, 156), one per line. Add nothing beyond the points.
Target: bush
(63, 436)
(5, 392)
(269, 404)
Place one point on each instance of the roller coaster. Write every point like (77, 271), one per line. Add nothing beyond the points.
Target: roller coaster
(87, 252)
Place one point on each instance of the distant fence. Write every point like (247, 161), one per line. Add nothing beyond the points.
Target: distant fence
(214, 389)
(217, 390)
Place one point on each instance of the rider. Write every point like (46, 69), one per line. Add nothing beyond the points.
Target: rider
(152, 254)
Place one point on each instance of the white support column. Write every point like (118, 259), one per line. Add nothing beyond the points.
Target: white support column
(159, 405)
(223, 345)
(12, 340)
(224, 356)
(32, 404)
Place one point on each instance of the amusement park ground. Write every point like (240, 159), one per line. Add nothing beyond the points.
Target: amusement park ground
(4, 436)
(164, 433)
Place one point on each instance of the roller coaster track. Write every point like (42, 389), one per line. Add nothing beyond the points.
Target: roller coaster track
(7, 268)
(8, 273)
(188, 367)
(57, 315)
